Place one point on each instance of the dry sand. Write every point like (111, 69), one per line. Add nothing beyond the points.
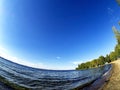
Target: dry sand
(114, 82)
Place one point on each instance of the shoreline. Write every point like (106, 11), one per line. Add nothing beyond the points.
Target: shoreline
(99, 83)
(90, 79)
(114, 82)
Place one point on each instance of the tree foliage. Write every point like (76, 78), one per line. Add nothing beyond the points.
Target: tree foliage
(108, 58)
(118, 1)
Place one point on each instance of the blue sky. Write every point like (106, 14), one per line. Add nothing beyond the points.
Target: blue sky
(57, 34)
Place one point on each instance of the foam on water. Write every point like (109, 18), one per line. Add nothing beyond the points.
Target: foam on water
(48, 79)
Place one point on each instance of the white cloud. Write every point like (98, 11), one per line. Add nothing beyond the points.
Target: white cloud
(5, 54)
(113, 16)
(110, 11)
(81, 61)
(77, 62)
(58, 57)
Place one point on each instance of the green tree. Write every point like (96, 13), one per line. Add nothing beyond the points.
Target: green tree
(113, 56)
(117, 50)
(101, 60)
(118, 1)
(117, 34)
(107, 58)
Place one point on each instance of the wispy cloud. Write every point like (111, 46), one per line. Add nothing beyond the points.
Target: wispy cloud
(82, 61)
(110, 11)
(77, 62)
(113, 16)
(58, 57)
(4, 53)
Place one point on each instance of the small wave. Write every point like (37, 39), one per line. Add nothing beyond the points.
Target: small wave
(39, 79)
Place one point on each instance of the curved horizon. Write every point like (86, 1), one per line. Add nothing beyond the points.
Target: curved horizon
(56, 34)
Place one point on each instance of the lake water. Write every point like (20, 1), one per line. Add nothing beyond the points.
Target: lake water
(40, 79)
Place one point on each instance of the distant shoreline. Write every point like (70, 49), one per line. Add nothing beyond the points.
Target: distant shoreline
(99, 83)
(10, 72)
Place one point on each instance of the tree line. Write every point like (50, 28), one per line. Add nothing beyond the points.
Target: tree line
(112, 56)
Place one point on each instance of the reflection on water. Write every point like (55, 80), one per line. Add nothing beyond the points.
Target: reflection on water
(39, 79)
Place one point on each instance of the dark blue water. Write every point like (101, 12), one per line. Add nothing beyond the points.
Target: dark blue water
(40, 79)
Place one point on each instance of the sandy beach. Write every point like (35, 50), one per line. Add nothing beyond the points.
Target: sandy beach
(114, 82)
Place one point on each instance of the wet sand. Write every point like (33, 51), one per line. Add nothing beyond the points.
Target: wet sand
(114, 82)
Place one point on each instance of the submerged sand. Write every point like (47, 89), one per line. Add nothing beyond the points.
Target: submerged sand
(114, 82)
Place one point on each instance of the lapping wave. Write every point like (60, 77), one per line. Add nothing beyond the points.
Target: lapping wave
(40, 79)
